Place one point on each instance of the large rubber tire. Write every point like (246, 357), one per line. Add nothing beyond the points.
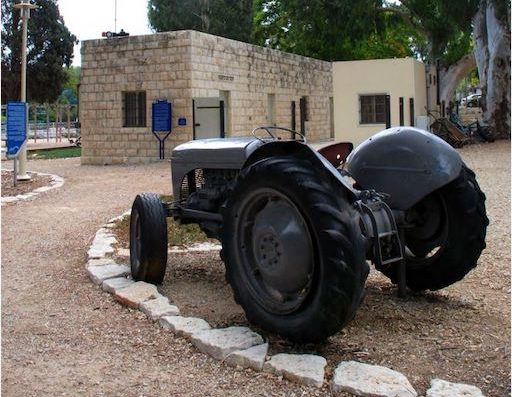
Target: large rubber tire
(449, 238)
(293, 250)
(148, 239)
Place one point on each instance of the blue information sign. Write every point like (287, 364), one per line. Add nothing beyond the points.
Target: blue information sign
(161, 111)
(16, 127)
(182, 121)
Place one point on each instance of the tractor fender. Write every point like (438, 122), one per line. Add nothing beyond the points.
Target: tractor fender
(404, 162)
(303, 152)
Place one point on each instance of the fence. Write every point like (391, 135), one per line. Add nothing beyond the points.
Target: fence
(50, 122)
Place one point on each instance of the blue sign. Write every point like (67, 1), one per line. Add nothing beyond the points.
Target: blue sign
(182, 121)
(161, 114)
(16, 126)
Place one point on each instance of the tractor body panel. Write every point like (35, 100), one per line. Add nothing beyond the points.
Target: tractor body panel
(300, 151)
(215, 153)
(404, 162)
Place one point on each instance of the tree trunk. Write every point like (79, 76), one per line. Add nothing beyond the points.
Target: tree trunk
(491, 34)
(451, 76)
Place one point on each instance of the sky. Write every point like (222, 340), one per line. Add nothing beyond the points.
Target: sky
(88, 19)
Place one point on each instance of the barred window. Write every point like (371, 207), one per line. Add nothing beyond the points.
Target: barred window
(372, 109)
(134, 109)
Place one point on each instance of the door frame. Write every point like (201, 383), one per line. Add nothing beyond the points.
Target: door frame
(222, 125)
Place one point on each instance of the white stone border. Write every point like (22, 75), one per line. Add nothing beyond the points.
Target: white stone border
(55, 183)
(240, 346)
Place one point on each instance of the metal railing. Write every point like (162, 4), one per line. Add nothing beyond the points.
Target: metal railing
(49, 122)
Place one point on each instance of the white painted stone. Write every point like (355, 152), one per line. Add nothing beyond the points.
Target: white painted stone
(184, 326)
(218, 343)
(370, 380)
(98, 274)
(307, 369)
(113, 285)
(135, 294)
(253, 358)
(159, 307)
(123, 252)
(103, 237)
(196, 247)
(43, 189)
(9, 199)
(443, 388)
(97, 251)
(100, 262)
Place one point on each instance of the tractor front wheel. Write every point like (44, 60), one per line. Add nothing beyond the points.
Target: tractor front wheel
(293, 250)
(148, 239)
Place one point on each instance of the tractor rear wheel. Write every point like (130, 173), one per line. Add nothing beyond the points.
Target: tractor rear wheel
(293, 250)
(148, 239)
(448, 236)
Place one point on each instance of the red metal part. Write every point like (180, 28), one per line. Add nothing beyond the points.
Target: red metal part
(337, 153)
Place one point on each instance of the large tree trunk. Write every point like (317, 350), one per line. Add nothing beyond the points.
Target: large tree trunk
(450, 77)
(492, 52)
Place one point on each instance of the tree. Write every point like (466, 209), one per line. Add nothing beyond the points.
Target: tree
(492, 52)
(227, 18)
(463, 34)
(70, 86)
(50, 46)
(331, 30)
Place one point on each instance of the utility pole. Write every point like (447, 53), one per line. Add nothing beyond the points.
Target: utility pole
(24, 6)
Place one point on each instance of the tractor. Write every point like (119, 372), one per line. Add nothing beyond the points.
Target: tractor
(299, 226)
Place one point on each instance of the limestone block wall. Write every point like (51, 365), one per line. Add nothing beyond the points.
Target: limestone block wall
(249, 73)
(180, 66)
(158, 64)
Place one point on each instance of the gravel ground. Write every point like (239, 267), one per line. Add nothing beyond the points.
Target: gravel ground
(62, 336)
(8, 188)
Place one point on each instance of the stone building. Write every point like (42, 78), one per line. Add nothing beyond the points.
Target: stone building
(217, 88)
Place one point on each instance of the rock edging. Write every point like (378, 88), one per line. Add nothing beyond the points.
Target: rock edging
(240, 346)
(55, 183)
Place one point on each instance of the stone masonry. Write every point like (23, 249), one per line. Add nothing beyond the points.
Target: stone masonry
(182, 65)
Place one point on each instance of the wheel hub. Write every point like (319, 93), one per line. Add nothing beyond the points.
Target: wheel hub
(270, 250)
(282, 248)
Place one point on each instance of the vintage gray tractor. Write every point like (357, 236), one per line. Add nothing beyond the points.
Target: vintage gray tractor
(297, 226)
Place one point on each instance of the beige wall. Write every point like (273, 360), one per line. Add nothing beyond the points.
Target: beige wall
(180, 66)
(403, 77)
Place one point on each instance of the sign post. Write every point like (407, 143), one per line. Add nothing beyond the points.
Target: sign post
(17, 115)
(161, 123)
(24, 6)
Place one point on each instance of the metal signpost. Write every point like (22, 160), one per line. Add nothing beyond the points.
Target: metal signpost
(17, 113)
(24, 6)
(161, 123)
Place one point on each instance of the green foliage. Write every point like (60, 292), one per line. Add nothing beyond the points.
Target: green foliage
(50, 46)
(62, 153)
(227, 18)
(331, 29)
(445, 27)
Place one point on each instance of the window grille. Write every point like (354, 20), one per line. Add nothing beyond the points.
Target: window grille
(372, 109)
(134, 109)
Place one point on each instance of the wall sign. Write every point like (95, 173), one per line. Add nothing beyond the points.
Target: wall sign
(161, 116)
(16, 127)
(182, 121)
(161, 122)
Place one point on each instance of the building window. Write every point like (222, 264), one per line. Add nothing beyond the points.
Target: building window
(134, 109)
(372, 109)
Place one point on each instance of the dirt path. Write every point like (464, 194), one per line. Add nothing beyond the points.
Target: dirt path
(62, 336)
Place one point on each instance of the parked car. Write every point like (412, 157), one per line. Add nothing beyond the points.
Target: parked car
(472, 100)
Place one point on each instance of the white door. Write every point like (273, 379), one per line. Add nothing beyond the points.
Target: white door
(208, 118)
